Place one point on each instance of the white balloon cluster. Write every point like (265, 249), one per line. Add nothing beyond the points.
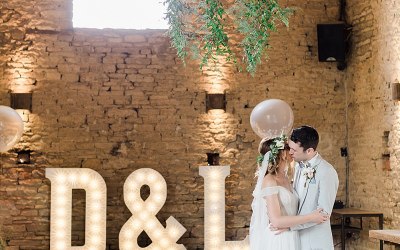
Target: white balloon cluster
(11, 128)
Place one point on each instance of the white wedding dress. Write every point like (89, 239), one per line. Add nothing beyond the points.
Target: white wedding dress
(261, 237)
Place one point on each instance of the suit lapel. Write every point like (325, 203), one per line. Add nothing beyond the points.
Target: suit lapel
(305, 191)
(304, 195)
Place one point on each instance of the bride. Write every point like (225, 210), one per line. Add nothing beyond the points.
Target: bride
(275, 201)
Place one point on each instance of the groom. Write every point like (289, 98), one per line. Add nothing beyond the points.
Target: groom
(316, 183)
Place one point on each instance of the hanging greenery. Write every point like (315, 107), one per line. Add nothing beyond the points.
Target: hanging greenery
(198, 28)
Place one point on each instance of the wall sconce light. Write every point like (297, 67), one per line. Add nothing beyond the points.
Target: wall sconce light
(396, 91)
(21, 101)
(24, 157)
(213, 159)
(215, 101)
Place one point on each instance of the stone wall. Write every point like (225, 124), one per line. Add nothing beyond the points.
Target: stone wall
(373, 115)
(119, 100)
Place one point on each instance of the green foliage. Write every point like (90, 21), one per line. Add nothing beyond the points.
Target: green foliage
(214, 39)
(176, 11)
(258, 19)
(197, 28)
(259, 159)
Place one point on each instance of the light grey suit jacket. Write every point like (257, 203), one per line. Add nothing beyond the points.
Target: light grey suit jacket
(319, 193)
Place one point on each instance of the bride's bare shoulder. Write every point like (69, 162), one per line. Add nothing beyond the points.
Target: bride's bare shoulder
(269, 181)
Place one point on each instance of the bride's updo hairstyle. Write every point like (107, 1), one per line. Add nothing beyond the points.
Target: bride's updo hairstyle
(270, 145)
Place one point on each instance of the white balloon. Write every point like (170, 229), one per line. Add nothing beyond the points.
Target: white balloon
(271, 118)
(11, 128)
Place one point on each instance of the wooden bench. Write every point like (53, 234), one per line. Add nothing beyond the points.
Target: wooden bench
(392, 236)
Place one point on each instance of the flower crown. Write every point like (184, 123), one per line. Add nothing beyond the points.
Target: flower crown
(277, 144)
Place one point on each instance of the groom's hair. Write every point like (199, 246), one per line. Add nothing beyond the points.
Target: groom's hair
(307, 136)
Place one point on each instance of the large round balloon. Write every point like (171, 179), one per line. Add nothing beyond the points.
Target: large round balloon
(271, 118)
(11, 128)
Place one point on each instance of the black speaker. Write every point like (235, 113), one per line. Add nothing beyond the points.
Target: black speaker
(331, 42)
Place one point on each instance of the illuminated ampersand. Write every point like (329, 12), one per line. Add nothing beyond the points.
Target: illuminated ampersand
(144, 212)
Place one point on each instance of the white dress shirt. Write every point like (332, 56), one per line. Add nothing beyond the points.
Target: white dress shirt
(302, 177)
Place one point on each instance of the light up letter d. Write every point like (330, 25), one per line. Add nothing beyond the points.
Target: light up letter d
(62, 183)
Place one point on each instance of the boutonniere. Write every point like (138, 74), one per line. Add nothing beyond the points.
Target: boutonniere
(309, 172)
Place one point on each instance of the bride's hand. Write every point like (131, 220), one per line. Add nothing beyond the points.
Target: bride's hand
(319, 216)
(277, 230)
(281, 230)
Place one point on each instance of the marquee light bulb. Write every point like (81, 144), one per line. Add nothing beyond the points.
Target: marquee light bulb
(60, 223)
(95, 217)
(61, 190)
(128, 245)
(60, 202)
(131, 198)
(95, 206)
(173, 232)
(152, 208)
(136, 225)
(215, 174)
(151, 224)
(144, 215)
(95, 240)
(72, 177)
(158, 187)
(96, 195)
(137, 206)
(83, 178)
(133, 186)
(158, 198)
(95, 230)
(61, 178)
(157, 233)
(214, 229)
(214, 197)
(60, 234)
(60, 245)
(140, 177)
(164, 242)
(94, 184)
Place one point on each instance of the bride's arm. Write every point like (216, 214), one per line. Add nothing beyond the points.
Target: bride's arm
(281, 221)
(274, 211)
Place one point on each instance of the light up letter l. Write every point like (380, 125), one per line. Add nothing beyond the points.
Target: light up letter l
(214, 210)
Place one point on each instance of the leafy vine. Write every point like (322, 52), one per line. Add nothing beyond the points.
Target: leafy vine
(198, 28)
